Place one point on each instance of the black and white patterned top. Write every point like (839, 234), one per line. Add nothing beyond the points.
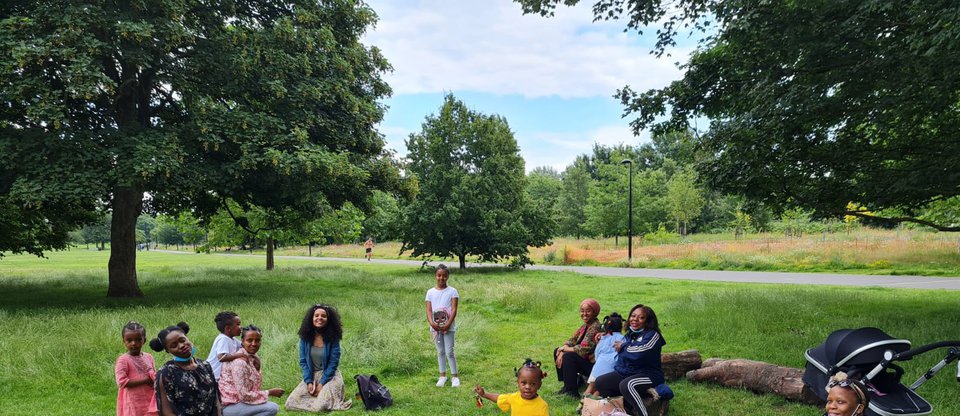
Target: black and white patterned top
(190, 392)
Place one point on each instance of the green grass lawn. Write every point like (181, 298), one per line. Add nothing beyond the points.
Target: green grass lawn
(59, 334)
(858, 251)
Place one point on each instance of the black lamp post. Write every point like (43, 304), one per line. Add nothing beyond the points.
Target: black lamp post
(629, 211)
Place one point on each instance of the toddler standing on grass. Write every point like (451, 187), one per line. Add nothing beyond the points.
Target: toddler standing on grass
(135, 373)
(225, 347)
(441, 315)
(606, 354)
(527, 401)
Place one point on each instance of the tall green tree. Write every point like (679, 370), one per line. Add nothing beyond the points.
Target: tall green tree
(543, 190)
(608, 205)
(574, 196)
(166, 232)
(189, 227)
(683, 199)
(146, 224)
(606, 210)
(384, 220)
(98, 232)
(812, 103)
(270, 104)
(472, 200)
(676, 146)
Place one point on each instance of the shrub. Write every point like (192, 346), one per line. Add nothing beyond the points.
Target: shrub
(661, 236)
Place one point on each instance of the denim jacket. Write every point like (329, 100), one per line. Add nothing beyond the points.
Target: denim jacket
(331, 361)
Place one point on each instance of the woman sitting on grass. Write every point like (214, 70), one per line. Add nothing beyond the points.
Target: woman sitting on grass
(241, 380)
(575, 357)
(322, 385)
(184, 385)
(638, 368)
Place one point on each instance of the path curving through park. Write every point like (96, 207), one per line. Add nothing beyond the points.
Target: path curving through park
(835, 279)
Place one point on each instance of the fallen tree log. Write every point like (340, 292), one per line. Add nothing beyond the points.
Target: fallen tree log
(756, 376)
(676, 364)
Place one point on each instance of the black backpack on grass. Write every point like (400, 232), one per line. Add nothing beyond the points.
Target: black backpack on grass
(374, 395)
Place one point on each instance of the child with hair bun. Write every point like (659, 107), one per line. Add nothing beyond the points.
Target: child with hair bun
(184, 385)
(605, 352)
(526, 402)
(134, 373)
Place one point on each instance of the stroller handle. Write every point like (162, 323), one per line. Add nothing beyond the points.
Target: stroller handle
(906, 355)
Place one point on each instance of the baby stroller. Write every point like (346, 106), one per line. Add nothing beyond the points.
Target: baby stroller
(869, 354)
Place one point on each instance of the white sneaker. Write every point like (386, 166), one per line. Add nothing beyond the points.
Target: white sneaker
(441, 381)
(455, 382)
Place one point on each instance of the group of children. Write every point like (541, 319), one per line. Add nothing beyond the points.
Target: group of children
(136, 375)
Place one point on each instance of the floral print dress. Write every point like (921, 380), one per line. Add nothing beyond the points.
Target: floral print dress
(190, 392)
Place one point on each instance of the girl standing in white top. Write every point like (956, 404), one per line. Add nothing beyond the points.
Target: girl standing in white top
(442, 315)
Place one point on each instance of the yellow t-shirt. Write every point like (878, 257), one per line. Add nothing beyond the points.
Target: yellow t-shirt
(518, 406)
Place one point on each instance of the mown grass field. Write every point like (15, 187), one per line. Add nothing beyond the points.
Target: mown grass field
(59, 334)
(860, 251)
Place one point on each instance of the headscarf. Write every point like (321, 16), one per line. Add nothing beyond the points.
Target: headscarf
(592, 304)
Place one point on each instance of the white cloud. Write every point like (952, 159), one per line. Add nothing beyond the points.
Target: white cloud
(490, 46)
(395, 137)
(558, 150)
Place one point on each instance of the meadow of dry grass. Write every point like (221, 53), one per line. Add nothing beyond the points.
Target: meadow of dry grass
(859, 251)
(865, 250)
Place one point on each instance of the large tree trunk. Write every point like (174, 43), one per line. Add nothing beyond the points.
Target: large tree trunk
(463, 261)
(756, 376)
(127, 204)
(269, 253)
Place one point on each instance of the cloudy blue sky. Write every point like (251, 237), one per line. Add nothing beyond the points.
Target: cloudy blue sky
(551, 78)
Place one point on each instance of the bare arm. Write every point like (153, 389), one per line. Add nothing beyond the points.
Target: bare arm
(430, 317)
(453, 314)
(483, 393)
(164, 405)
(225, 358)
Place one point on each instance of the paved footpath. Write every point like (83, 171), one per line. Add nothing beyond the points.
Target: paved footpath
(907, 282)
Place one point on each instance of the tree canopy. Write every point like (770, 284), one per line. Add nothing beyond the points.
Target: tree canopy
(811, 103)
(471, 200)
(269, 104)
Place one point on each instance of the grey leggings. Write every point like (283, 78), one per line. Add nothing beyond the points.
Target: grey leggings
(445, 351)
(242, 409)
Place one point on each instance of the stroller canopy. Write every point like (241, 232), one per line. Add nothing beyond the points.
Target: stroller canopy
(852, 347)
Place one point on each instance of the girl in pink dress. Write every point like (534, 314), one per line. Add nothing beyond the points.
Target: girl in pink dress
(135, 374)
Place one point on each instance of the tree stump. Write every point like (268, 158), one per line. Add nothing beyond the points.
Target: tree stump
(756, 376)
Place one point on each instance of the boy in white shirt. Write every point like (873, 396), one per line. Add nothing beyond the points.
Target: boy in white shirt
(225, 346)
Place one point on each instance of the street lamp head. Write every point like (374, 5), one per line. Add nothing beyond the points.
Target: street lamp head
(626, 161)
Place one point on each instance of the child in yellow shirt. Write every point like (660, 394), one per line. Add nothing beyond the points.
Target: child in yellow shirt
(525, 402)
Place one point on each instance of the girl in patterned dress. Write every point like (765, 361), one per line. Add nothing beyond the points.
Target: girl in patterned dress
(134, 373)
(241, 383)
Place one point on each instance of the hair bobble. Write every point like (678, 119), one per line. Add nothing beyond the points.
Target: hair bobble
(530, 364)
